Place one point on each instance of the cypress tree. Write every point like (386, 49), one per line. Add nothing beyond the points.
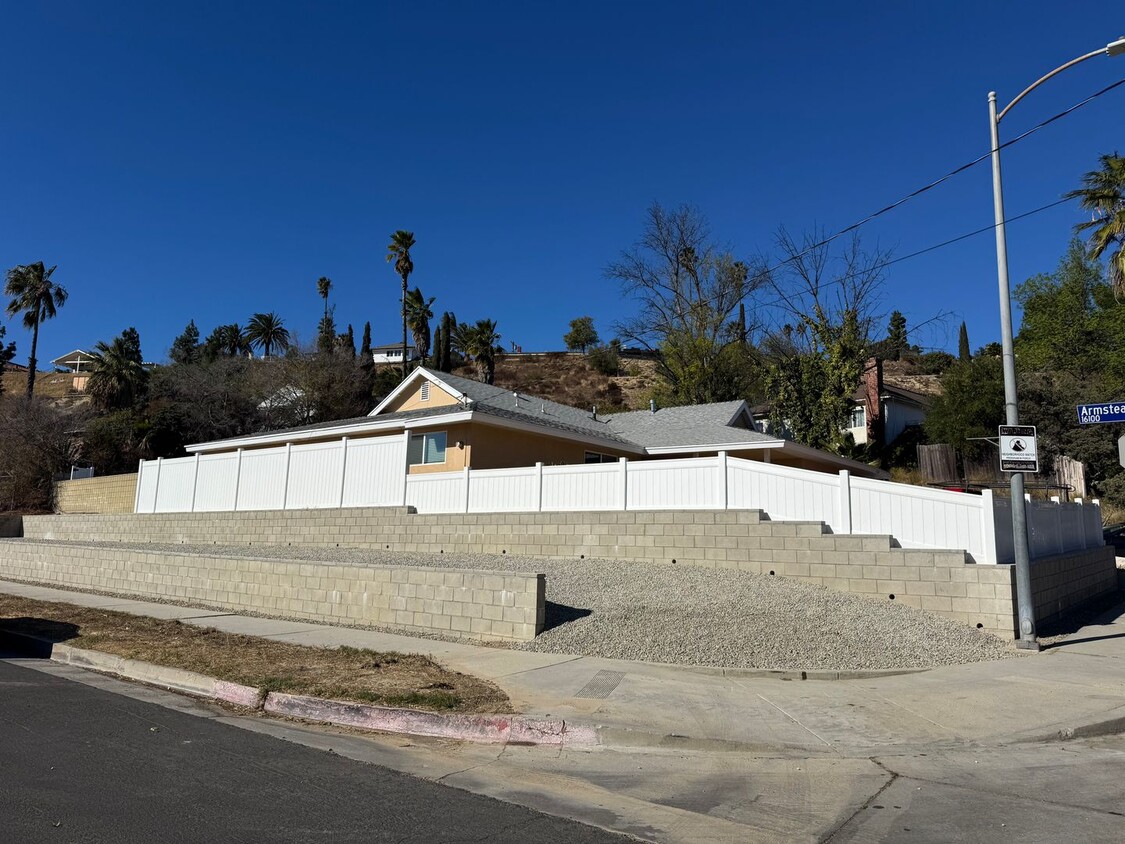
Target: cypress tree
(365, 349)
(447, 326)
(435, 358)
(963, 344)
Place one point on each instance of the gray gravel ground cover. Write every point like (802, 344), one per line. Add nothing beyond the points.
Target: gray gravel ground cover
(692, 616)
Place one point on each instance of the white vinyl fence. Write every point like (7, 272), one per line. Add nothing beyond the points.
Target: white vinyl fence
(372, 473)
(344, 473)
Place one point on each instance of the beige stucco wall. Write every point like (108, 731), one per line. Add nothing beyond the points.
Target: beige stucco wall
(504, 448)
(413, 400)
(481, 604)
(456, 458)
(109, 494)
(493, 447)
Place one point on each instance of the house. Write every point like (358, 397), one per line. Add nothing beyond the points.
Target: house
(392, 353)
(79, 363)
(881, 412)
(454, 423)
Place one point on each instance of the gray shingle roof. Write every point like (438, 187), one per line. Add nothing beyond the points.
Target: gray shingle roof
(356, 422)
(697, 424)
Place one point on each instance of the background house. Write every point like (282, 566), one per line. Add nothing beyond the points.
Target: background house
(882, 411)
(392, 353)
(77, 362)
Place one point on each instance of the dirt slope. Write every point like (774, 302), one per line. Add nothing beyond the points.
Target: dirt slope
(569, 379)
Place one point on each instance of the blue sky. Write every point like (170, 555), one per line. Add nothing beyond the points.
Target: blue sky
(209, 160)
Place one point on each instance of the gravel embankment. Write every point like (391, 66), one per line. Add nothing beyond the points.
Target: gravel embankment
(694, 616)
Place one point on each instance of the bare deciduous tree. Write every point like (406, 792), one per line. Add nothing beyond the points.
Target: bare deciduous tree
(689, 291)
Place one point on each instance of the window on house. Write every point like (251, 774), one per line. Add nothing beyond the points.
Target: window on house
(858, 418)
(425, 391)
(425, 449)
(597, 457)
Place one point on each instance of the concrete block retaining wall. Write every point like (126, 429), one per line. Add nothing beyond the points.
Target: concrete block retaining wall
(109, 494)
(943, 582)
(481, 604)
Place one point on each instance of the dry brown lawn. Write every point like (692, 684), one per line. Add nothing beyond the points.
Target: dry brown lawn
(387, 679)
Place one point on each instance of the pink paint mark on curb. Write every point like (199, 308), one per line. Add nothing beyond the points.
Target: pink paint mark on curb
(238, 694)
(485, 729)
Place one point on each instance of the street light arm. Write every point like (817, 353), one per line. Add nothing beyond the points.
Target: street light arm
(1108, 50)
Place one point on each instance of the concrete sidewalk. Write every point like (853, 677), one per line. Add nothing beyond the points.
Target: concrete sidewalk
(1074, 688)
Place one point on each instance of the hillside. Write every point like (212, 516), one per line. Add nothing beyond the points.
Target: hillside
(51, 385)
(569, 379)
(902, 374)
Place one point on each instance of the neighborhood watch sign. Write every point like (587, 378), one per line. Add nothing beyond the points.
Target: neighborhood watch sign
(1092, 414)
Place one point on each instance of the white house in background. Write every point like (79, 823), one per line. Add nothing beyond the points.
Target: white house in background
(392, 353)
(881, 412)
(78, 363)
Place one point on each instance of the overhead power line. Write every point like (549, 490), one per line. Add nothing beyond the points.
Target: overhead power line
(934, 247)
(948, 176)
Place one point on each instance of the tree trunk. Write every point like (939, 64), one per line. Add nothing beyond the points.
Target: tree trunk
(404, 365)
(31, 361)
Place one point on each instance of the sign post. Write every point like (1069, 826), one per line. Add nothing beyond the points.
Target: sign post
(1019, 451)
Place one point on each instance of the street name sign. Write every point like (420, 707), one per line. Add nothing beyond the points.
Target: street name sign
(1093, 414)
(1018, 449)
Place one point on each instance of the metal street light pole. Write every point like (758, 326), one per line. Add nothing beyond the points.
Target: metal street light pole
(1026, 606)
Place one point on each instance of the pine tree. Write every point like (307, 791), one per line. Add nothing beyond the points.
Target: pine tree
(185, 348)
(326, 334)
(896, 336)
(963, 344)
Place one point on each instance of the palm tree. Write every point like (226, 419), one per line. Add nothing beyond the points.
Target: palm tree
(37, 297)
(118, 377)
(233, 341)
(323, 285)
(267, 331)
(398, 251)
(418, 316)
(478, 342)
(1104, 197)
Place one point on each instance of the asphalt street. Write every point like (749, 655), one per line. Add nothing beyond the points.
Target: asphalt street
(79, 764)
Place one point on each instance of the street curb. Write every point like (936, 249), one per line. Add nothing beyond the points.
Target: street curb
(1106, 727)
(482, 729)
(792, 673)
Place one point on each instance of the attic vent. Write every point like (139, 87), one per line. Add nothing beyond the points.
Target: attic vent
(425, 393)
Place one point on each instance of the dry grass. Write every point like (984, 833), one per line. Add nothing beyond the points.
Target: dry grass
(388, 679)
(569, 379)
(51, 385)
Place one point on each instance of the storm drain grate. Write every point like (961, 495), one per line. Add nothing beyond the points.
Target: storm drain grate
(602, 685)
